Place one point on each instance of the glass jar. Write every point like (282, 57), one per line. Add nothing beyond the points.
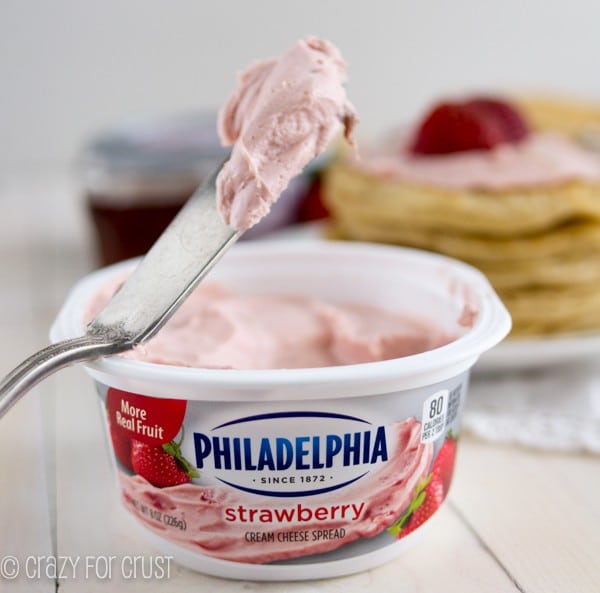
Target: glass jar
(137, 175)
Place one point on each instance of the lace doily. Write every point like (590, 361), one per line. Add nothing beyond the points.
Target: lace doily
(553, 408)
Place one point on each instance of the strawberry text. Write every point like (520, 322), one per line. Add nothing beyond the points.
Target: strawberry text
(296, 514)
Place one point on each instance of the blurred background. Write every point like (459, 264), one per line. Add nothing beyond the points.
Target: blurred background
(69, 68)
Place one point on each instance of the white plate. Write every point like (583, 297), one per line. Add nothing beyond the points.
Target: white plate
(522, 354)
(511, 354)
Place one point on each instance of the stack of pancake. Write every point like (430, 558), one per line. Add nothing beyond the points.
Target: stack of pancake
(577, 117)
(538, 244)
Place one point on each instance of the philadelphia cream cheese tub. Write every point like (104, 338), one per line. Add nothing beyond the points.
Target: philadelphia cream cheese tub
(303, 473)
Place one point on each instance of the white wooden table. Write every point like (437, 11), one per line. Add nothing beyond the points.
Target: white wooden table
(516, 520)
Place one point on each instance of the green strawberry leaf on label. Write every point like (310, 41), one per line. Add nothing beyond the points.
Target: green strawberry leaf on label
(418, 499)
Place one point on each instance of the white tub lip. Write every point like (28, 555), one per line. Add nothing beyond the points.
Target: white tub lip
(492, 325)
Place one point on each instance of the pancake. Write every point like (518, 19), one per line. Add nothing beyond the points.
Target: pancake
(576, 117)
(543, 310)
(539, 246)
(570, 239)
(353, 193)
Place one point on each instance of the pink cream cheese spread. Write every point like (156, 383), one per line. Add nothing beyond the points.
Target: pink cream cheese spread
(215, 516)
(216, 328)
(540, 159)
(283, 114)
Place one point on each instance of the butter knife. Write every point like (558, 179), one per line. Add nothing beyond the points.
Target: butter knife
(181, 257)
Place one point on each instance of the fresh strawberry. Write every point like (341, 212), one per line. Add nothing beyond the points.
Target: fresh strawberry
(121, 443)
(476, 124)
(428, 497)
(161, 465)
(311, 206)
(513, 125)
(443, 466)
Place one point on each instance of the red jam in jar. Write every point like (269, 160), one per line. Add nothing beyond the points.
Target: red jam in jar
(136, 177)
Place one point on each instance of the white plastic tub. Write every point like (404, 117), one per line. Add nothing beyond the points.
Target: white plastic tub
(304, 473)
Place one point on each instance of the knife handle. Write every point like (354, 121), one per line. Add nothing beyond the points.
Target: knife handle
(49, 360)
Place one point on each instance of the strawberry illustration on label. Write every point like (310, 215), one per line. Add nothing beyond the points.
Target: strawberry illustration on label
(121, 443)
(162, 465)
(430, 491)
(443, 466)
